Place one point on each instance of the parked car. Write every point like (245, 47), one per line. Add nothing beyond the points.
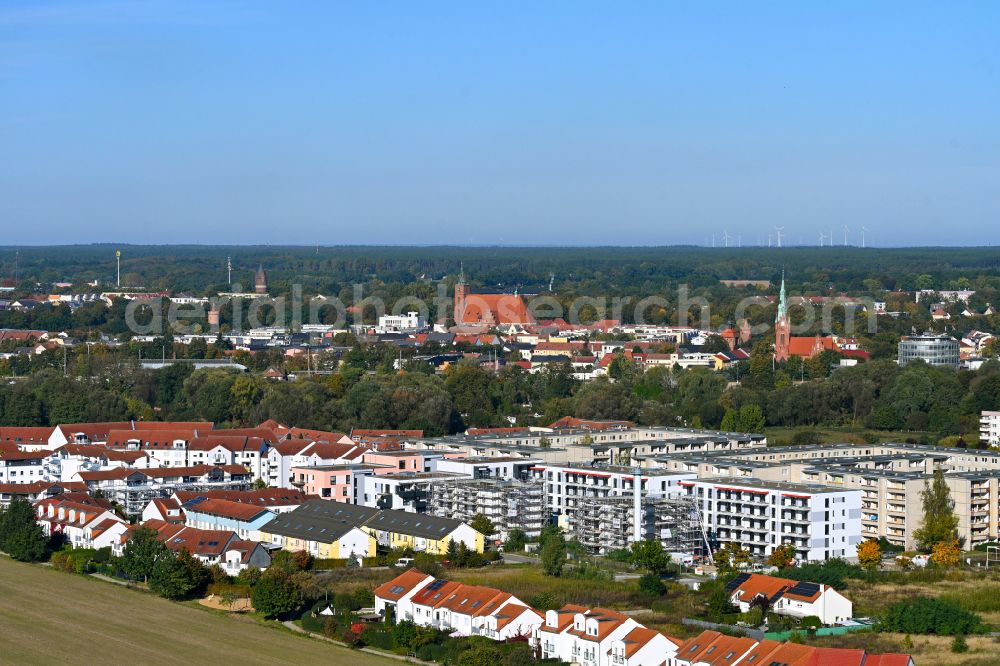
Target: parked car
(403, 562)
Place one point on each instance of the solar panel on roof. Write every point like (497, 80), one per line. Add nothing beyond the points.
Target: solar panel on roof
(736, 582)
(804, 589)
(437, 584)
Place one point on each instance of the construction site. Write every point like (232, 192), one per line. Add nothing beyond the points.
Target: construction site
(509, 504)
(606, 524)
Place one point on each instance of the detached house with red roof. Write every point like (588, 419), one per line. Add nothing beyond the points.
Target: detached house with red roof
(791, 597)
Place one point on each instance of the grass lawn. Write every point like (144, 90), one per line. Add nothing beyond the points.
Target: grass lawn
(48, 617)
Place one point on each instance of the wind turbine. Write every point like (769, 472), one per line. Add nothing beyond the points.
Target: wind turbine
(863, 231)
(845, 235)
(779, 230)
(726, 237)
(822, 237)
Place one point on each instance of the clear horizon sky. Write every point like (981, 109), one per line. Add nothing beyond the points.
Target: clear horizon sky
(158, 121)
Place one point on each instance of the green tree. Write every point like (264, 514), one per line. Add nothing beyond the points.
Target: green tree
(652, 585)
(275, 594)
(141, 553)
(516, 539)
(649, 555)
(170, 578)
(940, 522)
(20, 536)
(483, 525)
(553, 554)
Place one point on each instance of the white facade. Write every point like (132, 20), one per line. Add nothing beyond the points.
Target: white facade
(822, 523)
(989, 428)
(408, 323)
(599, 637)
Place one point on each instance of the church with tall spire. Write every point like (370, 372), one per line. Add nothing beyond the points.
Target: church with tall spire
(787, 346)
(782, 329)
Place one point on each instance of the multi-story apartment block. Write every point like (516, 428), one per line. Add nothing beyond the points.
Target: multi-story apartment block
(989, 428)
(890, 476)
(510, 504)
(605, 524)
(567, 487)
(821, 522)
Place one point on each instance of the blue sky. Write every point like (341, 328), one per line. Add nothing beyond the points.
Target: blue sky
(484, 123)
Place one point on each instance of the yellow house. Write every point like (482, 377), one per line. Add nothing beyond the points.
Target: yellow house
(422, 532)
(318, 534)
(335, 530)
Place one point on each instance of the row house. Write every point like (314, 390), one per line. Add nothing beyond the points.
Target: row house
(65, 462)
(171, 509)
(250, 452)
(710, 648)
(246, 520)
(18, 466)
(39, 490)
(599, 637)
(462, 610)
(82, 523)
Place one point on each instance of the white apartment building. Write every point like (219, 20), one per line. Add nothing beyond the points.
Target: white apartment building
(411, 322)
(989, 428)
(567, 487)
(821, 522)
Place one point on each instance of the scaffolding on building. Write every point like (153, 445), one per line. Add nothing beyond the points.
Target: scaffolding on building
(606, 524)
(509, 504)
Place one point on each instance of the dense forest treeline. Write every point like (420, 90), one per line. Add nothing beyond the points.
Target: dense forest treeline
(367, 393)
(591, 270)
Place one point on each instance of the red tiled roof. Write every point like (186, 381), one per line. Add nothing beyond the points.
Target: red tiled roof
(28, 435)
(233, 443)
(407, 580)
(492, 309)
(265, 497)
(226, 509)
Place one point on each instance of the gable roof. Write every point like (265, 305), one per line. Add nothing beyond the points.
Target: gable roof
(320, 520)
(401, 585)
(226, 509)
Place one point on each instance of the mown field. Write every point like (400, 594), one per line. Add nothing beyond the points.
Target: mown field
(48, 617)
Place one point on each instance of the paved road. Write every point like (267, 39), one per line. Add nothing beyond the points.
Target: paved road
(514, 558)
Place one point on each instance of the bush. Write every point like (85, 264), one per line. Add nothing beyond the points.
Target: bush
(376, 636)
(652, 585)
(322, 564)
(544, 601)
(431, 652)
(958, 645)
(927, 615)
(833, 572)
(811, 622)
